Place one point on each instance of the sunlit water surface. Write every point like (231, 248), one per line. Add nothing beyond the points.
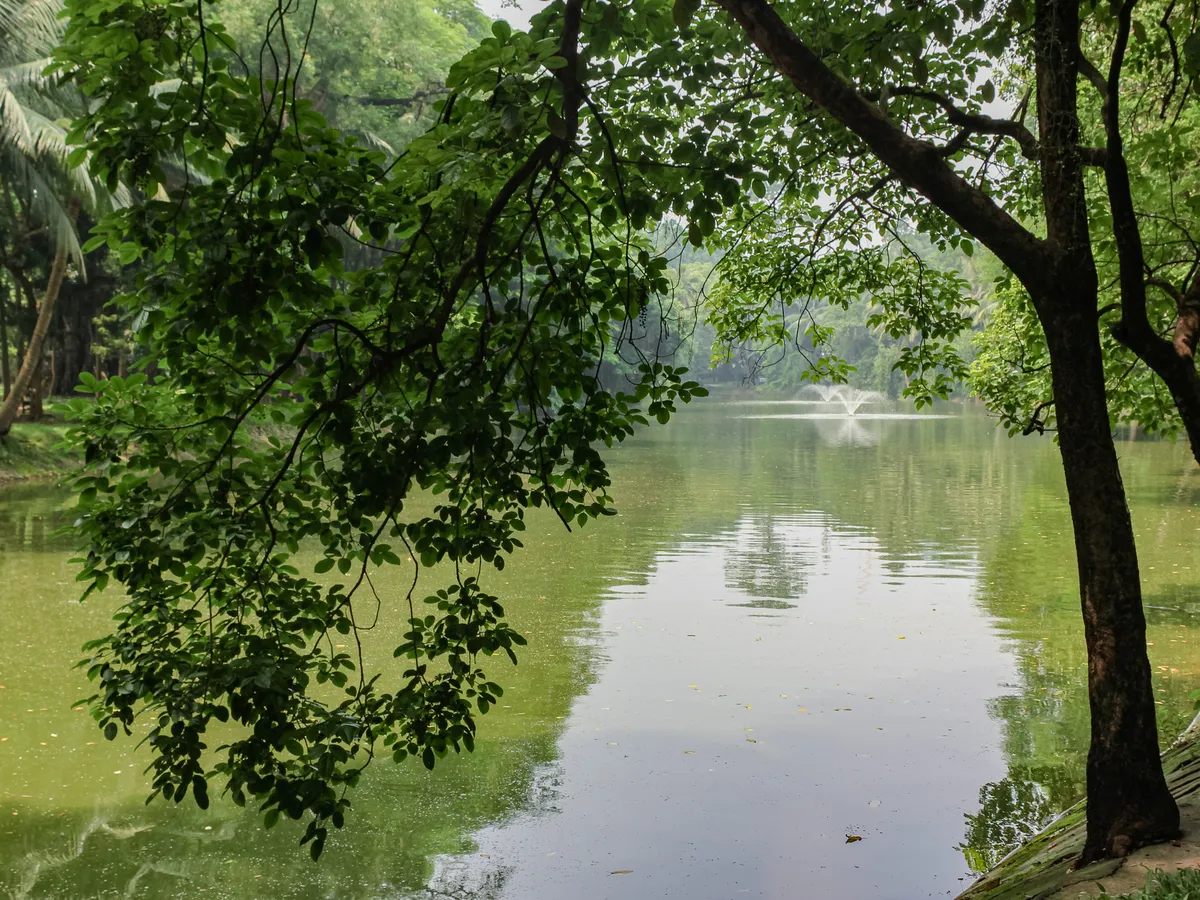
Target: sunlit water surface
(802, 628)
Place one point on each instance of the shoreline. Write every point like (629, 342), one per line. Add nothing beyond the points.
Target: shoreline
(1040, 869)
(32, 453)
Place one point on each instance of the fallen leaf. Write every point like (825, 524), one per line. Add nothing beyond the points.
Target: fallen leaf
(900, 638)
(621, 872)
(851, 838)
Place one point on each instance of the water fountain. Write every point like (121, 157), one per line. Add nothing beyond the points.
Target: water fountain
(840, 403)
(850, 398)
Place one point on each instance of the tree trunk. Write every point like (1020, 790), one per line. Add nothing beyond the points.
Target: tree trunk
(7, 373)
(33, 354)
(37, 387)
(1129, 805)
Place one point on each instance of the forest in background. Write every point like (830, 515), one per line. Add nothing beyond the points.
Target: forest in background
(374, 70)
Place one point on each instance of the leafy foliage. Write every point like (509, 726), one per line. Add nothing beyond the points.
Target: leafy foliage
(373, 69)
(456, 351)
(1160, 122)
(459, 365)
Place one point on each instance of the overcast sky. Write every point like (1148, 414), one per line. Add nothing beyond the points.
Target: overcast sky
(517, 15)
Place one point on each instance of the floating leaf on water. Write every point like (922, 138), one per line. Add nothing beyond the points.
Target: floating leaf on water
(875, 803)
(621, 872)
(689, 751)
(900, 638)
(851, 838)
(751, 741)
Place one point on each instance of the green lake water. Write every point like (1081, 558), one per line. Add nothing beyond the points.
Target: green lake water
(799, 628)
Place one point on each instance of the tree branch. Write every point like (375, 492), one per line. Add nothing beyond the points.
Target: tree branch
(977, 123)
(1172, 361)
(915, 162)
(1092, 74)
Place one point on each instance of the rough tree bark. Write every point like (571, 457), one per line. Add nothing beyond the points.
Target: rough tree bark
(5, 372)
(1129, 804)
(33, 353)
(1128, 801)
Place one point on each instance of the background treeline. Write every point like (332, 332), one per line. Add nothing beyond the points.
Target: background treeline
(375, 68)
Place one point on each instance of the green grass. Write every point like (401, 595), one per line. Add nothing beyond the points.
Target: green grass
(31, 451)
(1181, 885)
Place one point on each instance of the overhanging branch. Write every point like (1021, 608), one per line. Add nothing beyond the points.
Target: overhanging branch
(917, 163)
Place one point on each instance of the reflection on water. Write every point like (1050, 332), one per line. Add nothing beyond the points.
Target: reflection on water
(723, 753)
(799, 629)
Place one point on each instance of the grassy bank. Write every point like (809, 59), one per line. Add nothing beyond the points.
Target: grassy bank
(31, 451)
(1181, 885)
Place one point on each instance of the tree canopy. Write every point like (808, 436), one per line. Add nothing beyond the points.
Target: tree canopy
(336, 333)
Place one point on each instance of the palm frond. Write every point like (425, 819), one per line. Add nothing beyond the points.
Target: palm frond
(31, 74)
(44, 197)
(29, 28)
(34, 154)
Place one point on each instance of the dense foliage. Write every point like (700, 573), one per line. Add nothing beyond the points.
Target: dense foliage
(374, 70)
(337, 335)
(1161, 122)
(302, 403)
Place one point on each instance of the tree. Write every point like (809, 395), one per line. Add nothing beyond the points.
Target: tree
(510, 249)
(33, 354)
(374, 69)
(1128, 800)
(41, 185)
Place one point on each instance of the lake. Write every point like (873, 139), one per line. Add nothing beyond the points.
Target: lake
(801, 629)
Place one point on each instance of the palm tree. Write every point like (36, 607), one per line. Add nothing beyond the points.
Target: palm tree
(42, 191)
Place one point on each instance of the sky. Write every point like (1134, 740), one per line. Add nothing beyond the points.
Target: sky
(516, 14)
